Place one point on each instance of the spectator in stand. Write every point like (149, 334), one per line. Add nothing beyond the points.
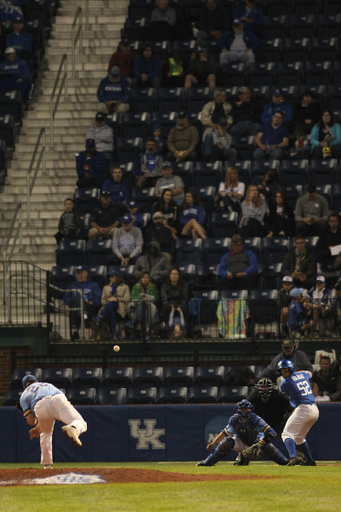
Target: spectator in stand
(231, 192)
(9, 12)
(161, 141)
(182, 140)
(301, 147)
(329, 238)
(299, 360)
(127, 243)
(162, 21)
(245, 114)
(89, 293)
(299, 318)
(238, 46)
(91, 166)
(15, 75)
(267, 184)
(69, 223)
(251, 16)
(156, 231)
(148, 165)
(300, 264)
(174, 297)
(137, 217)
(104, 218)
(175, 70)
(214, 110)
(117, 187)
(217, 143)
(328, 380)
(317, 300)
(307, 113)
(238, 267)
(254, 209)
(214, 17)
(283, 301)
(147, 68)
(114, 93)
(311, 213)
(277, 104)
(325, 137)
(19, 40)
(170, 181)
(124, 58)
(192, 216)
(103, 137)
(170, 210)
(272, 138)
(202, 69)
(155, 263)
(281, 218)
(145, 297)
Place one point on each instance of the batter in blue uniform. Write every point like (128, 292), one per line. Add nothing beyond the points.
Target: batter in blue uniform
(242, 431)
(306, 413)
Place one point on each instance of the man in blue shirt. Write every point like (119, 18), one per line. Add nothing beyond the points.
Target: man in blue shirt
(238, 267)
(271, 139)
(14, 74)
(19, 40)
(43, 404)
(306, 413)
(239, 45)
(114, 92)
(91, 166)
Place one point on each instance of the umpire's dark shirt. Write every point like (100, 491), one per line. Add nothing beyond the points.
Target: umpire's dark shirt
(272, 411)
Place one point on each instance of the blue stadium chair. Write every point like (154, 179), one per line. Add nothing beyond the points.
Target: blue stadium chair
(202, 271)
(207, 174)
(135, 125)
(232, 394)
(59, 377)
(138, 10)
(70, 252)
(331, 8)
(185, 47)
(188, 272)
(306, 9)
(253, 244)
(279, 8)
(85, 219)
(260, 168)
(269, 277)
(270, 32)
(232, 372)
(19, 373)
(224, 224)
(209, 376)
(214, 249)
(197, 97)
(326, 192)
(188, 251)
(263, 307)
(127, 272)
(145, 377)
(117, 377)
(262, 74)
(61, 277)
(11, 104)
(233, 294)
(144, 196)
(144, 100)
(336, 197)
(166, 119)
(86, 199)
(98, 274)
(142, 396)
(299, 31)
(324, 172)
(175, 376)
(173, 395)
(97, 252)
(185, 171)
(294, 172)
(207, 195)
(127, 149)
(146, 218)
(87, 377)
(325, 50)
(202, 395)
(318, 73)
(203, 307)
(328, 26)
(231, 93)
(12, 397)
(244, 171)
(274, 250)
(194, 118)
(271, 53)
(234, 74)
(162, 48)
(82, 396)
(297, 50)
(245, 146)
(114, 121)
(135, 29)
(7, 130)
(112, 396)
(290, 74)
(292, 192)
(171, 99)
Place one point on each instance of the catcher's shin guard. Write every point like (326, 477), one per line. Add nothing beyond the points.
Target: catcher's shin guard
(211, 459)
(274, 454)
(223, 448)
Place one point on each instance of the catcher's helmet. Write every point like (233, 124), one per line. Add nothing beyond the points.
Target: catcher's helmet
(286, 363)
(244, 404)
(28, 379)
(265, 387)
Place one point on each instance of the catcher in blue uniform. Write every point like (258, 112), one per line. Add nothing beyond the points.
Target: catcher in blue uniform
(248, 434)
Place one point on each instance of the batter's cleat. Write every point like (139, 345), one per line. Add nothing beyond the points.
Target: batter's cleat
(48, 466)
(308, 463)
(294, 461)
(71, 433)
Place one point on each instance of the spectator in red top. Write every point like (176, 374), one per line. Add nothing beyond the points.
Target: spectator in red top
(124, 58)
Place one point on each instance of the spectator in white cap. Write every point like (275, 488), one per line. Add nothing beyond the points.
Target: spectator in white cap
(317, 299)
(238, 45)
(114, 92)
(17, 74)
(299, 320)
(283, 301)
(103, 137)
(170, 181)
(127, 243)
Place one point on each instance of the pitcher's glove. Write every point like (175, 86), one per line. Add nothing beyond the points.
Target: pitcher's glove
(18, 406)
(254, 451)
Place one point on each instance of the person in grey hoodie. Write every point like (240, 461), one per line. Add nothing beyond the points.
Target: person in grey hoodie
(155, 262)
(104, 138)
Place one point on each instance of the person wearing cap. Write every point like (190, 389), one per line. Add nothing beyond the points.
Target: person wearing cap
(85, 291)
(300, 264)
(137, 217)
(155, 263)
(127, 243)
(317, 299)
(19, 40)
(238, 46)
(202, 69)
(91, 166)
(15, 75)
(148, 165)
(245, 113)
(272, 139)
(161, 140)
(277, 104)
(213, 17)
(124, 58)
(307, 113)
(104, 218)
(170, 181)
(311, 213)
(157, 231)
(118, 188)
(299, 360)
(114, 93)
(182, 140)
(238, 267)
(283, 301)
(329, 238)
(214, 110)
(103, 136)
(69, 225)
(147, 68)
(299, 317)
(115, 302)
(251, 16)
(217, 143)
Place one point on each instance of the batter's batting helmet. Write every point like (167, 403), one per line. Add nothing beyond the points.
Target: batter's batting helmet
(28, 379)
(265, 387)
(286, 363)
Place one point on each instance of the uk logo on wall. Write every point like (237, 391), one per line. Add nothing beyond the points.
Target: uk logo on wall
(148, 435)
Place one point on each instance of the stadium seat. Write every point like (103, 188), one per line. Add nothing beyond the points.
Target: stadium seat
(85, 220)
(61, 277)
(98, 274)
(202, 395)
(145, 377)
(114, 121)
(71, 252)
(173, 395)
(185, 47)
(197, 97)
(326, 192)
(97, 252)
(318, 73)
(233, 294)
(12, 397)
(234, 74)
(274, 250)
(214, 249)
(263, 307)
(253, 244)
(171, 99)
(59, 377)
(127, 272)
(185, 171)
(258, 372)
(85, 199)
(188, 250)
(11, 104)
(206, 196)
(135, 125)
(244, 171)
(270, 277)
(209, 376)
(324, 171)
(203, 307)
(179, 376)
(87, 377)
(112, 396)
(292, 192)
(127, 149)
(145, 195)
(245, 146)
(224, 224)
(143, 100)
(118, 377)
(7, 130)
(19, 374)
(82, 396)
(232, 394)
(187, 272)
(142, 396)
(294, 172)
(136, 29)
(262, 74)
(166, 119)
(207, 174)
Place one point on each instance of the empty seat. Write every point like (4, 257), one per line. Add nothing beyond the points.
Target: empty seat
(148, 377)
(82, 396)
(145, 195)
(135, 125)
(207, 174)
(97, 252)
(90, 377)
(143, 100)
(127, 272)
(209, 376)
(142, 396)
(59, 377)
(185, 171)
(171, 99)
(188, 250)
(173, 395)
(70, 252)
(112, 396)
(179, 376)
(202, 395)
(197, 97)
(98, 274)
(245, 146)
(85, 219)
(263, 307)
(232, 394)
(274, 250)
(127, 149)
(118, 377)
(12, 397)
(61, 277)
(253, 244)
(86, 199)
(224, 224)
(214, 249)
(203, 307)
(233, 294)
(19, 374)
(270, 278)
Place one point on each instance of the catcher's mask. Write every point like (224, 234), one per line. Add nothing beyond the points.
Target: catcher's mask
(244, 409)
(286, 363)
(265, 387)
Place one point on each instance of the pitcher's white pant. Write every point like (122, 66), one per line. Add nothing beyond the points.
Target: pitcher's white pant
(48, 410)
(300, 422)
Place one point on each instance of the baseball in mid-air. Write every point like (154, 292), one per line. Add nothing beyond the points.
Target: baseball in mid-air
(116, 348)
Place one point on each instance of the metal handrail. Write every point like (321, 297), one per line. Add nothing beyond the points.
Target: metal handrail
(18, 233)
(42, 155)
(75, 35)
(87, 14)
(64, 84)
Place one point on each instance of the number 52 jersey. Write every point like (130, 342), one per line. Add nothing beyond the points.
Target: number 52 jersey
(298, 387)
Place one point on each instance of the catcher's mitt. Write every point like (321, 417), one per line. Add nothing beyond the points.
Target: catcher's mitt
(254, 452)
(18, 406)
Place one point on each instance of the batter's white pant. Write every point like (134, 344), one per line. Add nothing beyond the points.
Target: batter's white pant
(48, 410)
(300, 422)
(239, 56)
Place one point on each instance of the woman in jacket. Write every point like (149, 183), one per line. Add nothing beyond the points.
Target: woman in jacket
(170, 210)
(282, 218)
(145, 296)
(174, 298)
(192, 216)
(147, 68)
(326, 134)
(254, 208)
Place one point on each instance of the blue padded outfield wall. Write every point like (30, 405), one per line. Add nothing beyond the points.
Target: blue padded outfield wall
(150, 433)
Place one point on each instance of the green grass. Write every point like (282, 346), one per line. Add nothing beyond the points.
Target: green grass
(302, 489)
